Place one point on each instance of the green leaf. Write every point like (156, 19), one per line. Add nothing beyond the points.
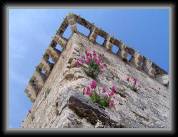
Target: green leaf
(93, 69)
(103, 103)
(95, 97)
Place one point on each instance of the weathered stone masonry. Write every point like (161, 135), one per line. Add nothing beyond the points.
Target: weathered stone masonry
(56, 85)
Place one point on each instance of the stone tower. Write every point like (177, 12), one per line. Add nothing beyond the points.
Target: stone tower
(56, 87)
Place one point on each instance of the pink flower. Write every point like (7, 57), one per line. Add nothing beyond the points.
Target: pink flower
(87, 91)
(107, 94)
(94, 53)
(104, 65)
(105, 89)
(93, 84)
(96, 58)
(97, 61)
(87, 52)
(138, 83)
(87, 60)
(78, 63)
(89, 56)
(101, 67)
(128, 79)
(111, 103)
(83, 57)
(111, 93)
(134, 81)
(113, 89)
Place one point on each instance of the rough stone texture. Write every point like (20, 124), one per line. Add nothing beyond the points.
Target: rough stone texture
(146, 108)
(58, 101)
(92, 112)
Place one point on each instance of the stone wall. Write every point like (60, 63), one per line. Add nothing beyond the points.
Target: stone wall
(52, 54)
(60, 101)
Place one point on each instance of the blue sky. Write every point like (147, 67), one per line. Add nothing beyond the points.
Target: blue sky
(31, 30)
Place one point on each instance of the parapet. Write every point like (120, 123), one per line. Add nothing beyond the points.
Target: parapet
(127, 54)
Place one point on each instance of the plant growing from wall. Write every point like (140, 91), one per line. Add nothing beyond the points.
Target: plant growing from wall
(92, 63)
(133, 83)
(104, 99)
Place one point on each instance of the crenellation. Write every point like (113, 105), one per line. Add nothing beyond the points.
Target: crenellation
(62, 28)
(72, 22)
(34, 83)
(137, 59)
(53, 107)
(116, 42)
(93, 34)
(158, 70)
(147, 66)
(131, 51)
(102, 33)
(123, 53)
(96, 32)
(46, 66)
(39, 77)
(163, 79)
(108, 44)
(53, 54)
(53, 43)
(60, 40)
(84, 23)
(31, 92)
(71, 18)
(45, 56)
(57, 50)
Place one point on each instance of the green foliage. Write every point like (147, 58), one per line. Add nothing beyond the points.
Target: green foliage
(93, 69)
(103, 102)
(95, 97)
(94, 63)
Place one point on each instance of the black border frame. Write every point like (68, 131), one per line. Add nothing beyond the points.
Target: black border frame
(6, 3)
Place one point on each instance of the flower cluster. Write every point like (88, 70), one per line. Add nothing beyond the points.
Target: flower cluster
(104, 99)
(92, 63)
(133, 82)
